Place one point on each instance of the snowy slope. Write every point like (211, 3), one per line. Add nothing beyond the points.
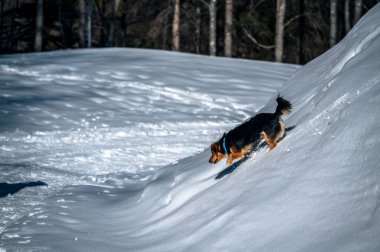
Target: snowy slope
(318, 190)
(80, 117)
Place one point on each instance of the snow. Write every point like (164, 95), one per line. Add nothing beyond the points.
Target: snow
(121, 137)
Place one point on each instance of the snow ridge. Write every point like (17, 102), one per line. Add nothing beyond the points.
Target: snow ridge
(318, 190)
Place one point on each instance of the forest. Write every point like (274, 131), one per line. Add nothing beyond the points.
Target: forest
(291, 31)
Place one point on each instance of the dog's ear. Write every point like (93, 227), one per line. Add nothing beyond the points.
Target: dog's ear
(216, 147)
(213, 147)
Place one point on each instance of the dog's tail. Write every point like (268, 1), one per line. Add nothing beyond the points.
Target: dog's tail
(284, 107)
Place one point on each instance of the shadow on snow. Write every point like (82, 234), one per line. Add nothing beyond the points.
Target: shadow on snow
(7, 188)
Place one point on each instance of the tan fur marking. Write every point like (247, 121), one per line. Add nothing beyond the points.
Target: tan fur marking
(281, 133)
(246, 149)
(269, 141)
(273, 142)
(238, 154)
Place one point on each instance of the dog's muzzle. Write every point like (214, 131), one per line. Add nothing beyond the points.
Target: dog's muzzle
(213, 162)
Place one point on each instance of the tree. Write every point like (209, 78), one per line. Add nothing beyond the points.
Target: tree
(176, 19)
(212, 12)
(279, 36)
(333, 22)
(358, 10)
(111, 32)
(89, 23)
(1, 23)
(39, 26)
(82, 22)
(301, 31)
(254, 34)
(228, 29)
(198, 25)
(347, 25)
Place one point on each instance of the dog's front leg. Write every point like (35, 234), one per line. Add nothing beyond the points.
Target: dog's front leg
(229, 159)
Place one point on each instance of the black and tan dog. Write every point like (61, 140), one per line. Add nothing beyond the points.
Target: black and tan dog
(239, 141)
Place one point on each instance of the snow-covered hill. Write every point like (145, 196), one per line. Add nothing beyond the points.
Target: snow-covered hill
(103, 154)
(82, 117)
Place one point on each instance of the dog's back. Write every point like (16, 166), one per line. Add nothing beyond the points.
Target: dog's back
(250, 132)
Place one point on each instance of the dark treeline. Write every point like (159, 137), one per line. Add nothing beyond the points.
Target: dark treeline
(294, 31)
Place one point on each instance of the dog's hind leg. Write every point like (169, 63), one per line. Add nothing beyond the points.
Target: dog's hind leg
(269, 141)
(280, 132)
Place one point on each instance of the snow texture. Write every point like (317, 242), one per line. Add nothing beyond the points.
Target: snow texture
(121, 138)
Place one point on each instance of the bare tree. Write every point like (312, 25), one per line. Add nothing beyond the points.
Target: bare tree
(212, 12)
(111, 32)
(301, 31)
(12, 33)
(358, 10)
(39, 26)
(1, 23)
(347, 25)
(228, 29)
(279, 37)
(198, 25)
(82, 22)
(89, 23)
(176, 19)
(333, 22)
(125, 24)
(60, 19)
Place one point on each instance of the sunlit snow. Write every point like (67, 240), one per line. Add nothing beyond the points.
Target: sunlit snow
(121, 137)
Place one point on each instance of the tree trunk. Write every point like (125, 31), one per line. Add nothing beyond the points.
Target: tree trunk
(125, 25)
(228, 29)
(358, 10)
(175, 45)
(347, 25)
(89, 23)
(39, 26)
(279, 39)
(1, 24)
(61, 24)
(111, 32)
(82, 22)
(198, 29)
(333, 22)
(212, 10)
(301, 32)
(12, 28)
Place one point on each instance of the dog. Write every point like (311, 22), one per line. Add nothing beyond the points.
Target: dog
(242, 139)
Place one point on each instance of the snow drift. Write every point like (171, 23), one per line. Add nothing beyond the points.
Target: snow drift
(317, 190)
(66, 120)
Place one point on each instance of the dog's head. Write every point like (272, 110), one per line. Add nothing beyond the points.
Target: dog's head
(216, 153)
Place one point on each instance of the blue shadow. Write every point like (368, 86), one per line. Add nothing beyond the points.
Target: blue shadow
(6, 188)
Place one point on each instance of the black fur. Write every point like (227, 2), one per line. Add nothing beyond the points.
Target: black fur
(250, 131)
